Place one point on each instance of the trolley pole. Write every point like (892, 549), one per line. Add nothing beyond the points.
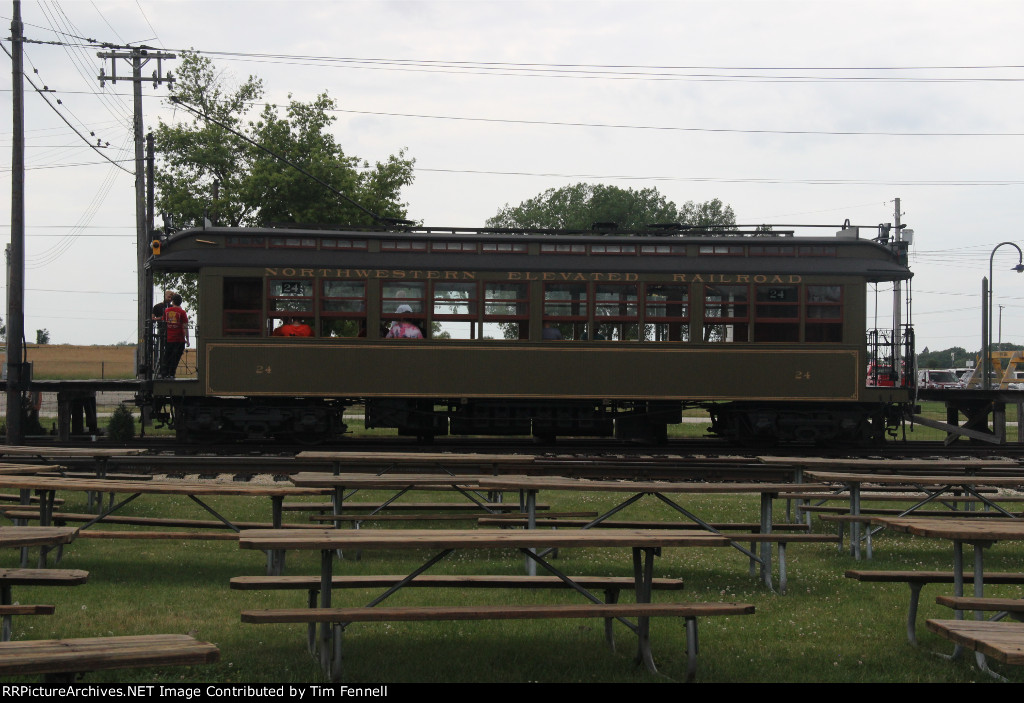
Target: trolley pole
(16, 251)
(139, 56)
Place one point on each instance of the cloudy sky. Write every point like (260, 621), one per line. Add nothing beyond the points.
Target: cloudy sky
(793, 112)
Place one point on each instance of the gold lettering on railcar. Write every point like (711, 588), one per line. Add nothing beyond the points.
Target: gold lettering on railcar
(557, 276)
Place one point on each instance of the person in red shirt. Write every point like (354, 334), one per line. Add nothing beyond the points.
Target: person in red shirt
(176, 337)
(293, 328)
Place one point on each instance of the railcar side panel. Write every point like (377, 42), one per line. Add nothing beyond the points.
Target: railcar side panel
(419, 369)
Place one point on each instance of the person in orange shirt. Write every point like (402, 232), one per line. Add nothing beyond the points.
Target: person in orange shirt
(176, 336)
(293, 328)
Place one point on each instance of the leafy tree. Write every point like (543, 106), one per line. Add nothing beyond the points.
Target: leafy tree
(582, 205)
(43, 336)
(206, 170)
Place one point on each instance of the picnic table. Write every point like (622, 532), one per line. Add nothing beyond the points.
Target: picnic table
(431, 461)
(644, 544)
(979, 534)
(530, 486)
(933, 486)
(402, 483)
(46, 488)
(26, 536)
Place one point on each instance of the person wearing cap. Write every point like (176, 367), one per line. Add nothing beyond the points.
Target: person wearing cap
(176, 335)
(402, 328)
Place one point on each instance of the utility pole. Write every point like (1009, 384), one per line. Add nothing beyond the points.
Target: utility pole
(138, 57)
(897, 317)
(16, 251)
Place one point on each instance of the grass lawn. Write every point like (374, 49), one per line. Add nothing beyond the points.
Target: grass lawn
(827, 629)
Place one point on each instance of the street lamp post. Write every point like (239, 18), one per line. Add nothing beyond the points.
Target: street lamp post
(987, 351)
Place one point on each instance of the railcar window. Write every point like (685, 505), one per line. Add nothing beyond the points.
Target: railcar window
(726, 313)
(663, 249)
(343, 244)
(469, 247)
(455, 307)
(343, 309)
(622, 249)
(247, 241)
(397, 295)
(824, 315)
(816, 251)
(777, 314)
(563, 248)
(243, 306)
(289, 298)
(720, 250)
(616, 312)
(666, 314)
(506, 311)
(293, 242)
(565, 305)
(404, 245)
(761, 250)
(504, 248)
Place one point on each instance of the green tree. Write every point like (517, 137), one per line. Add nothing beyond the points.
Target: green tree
(206, 170)
(43, 336)
(580, 206)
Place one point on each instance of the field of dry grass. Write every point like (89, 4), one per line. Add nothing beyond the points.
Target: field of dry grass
(66, 361)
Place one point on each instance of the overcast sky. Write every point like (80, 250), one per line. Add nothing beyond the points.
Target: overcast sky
(792, 112)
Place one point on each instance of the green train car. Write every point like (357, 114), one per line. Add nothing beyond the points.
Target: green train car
(534, 333)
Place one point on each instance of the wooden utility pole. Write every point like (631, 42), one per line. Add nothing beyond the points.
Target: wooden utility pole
(897, 315)
(16, 381)
(138, 57)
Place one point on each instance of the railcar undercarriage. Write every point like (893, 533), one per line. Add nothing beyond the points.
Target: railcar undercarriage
(313, 420)
(776, 423)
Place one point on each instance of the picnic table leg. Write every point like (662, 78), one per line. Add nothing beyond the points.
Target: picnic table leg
(958, 587)
(275, 557)
(855, 526)
(979, 592)
(643, 576)
(766, 547)
(5, 599)
(46, 499)
(531, 524)
(327, 644)
(25, 498)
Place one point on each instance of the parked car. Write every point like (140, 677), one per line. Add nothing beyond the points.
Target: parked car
(938, 378)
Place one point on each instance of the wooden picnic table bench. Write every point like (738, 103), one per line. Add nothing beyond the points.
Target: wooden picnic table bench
(441, 517)
(610, 585)
(938, 488)
(59, 518)
(1003, 641)
(196, 491)
(367, 507)
(917, 580)
(32, 577)
(790, 533)
(63, 660)
(1014, 607)
(645, 545)
(340, 618)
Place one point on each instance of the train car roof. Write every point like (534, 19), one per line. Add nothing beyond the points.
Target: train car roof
(193, 249)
